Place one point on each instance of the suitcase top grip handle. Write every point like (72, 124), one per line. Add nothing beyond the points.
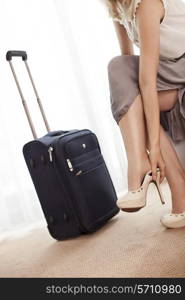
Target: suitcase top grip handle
(16, 53)
(56, 133)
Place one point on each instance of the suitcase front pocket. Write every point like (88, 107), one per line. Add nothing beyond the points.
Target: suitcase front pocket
(88, 165)
(98, 195)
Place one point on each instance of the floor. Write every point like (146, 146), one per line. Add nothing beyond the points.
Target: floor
(129, 245)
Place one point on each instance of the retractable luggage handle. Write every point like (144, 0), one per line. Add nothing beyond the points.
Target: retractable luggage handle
(23, 54)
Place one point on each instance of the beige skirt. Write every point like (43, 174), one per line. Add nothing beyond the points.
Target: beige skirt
(123, 74)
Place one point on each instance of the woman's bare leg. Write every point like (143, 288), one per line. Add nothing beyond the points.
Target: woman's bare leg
(175, 173)
(133, 130)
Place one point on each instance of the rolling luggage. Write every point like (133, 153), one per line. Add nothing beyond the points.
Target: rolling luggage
(69, 173)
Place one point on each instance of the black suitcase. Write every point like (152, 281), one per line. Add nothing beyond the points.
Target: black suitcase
(69, 173)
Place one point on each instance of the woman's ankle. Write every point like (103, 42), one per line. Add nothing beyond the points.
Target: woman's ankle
(178, 197)
(136, 172)
(178, 210)
(139, 167)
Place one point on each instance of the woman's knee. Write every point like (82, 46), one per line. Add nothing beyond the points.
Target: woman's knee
(167, 99)
(123, 60)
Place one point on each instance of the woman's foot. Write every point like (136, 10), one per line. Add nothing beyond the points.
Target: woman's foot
(173, 220)
(133, 201)
(176, 218)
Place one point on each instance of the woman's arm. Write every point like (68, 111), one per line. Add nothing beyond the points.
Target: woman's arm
(126, 45)
(148, 16)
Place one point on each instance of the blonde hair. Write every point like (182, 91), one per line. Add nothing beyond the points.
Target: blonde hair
(112, 7)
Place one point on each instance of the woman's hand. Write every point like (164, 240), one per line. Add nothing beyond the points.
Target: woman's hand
(156, 160)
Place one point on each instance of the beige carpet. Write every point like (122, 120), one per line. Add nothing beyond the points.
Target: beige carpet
(129, 245)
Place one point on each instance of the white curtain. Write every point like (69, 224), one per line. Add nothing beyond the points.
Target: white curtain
(69, 44)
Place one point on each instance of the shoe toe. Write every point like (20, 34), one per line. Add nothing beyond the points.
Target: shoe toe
(130, 202)
(173, 220)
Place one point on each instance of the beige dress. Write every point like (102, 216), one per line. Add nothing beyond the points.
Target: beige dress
(171, 69)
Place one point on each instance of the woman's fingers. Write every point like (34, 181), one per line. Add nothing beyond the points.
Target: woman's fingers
(154, 171)
(162, 168)
(162, 171)
(157, 161)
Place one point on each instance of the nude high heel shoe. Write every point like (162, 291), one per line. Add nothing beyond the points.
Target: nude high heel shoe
(134, 200)
(173, 220)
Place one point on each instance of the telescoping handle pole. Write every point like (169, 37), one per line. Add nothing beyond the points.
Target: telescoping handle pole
(23, 54)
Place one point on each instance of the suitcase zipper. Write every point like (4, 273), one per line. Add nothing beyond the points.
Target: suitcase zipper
(71, 167)
(50, 150)
(78, 173)
(69, 164)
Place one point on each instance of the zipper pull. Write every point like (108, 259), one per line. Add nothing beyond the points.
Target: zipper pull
(50, 150)
(69, 164)
(78, 173)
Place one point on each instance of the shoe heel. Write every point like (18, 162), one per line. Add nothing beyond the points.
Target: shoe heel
(157, 184)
